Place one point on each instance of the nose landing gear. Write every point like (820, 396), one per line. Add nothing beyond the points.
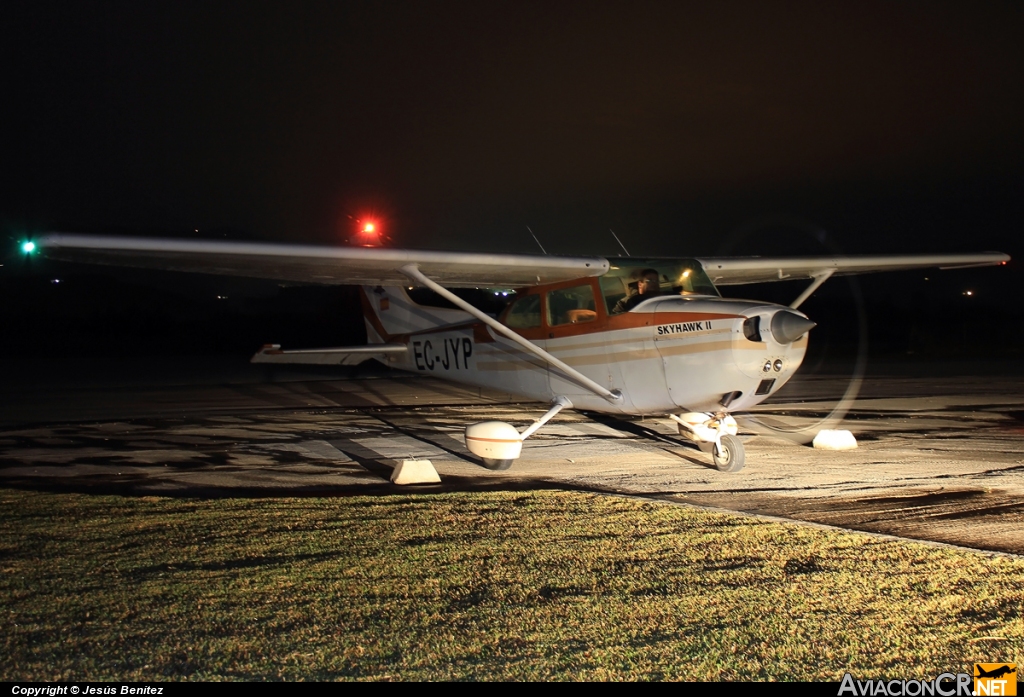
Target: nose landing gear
(714, 433)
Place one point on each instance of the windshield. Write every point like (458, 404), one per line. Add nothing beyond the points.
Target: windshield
(621, 286)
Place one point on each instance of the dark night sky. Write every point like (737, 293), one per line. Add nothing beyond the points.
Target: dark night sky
(457, 120)
(689, 128)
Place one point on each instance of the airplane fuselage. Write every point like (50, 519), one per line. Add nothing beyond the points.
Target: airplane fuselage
(669, 354)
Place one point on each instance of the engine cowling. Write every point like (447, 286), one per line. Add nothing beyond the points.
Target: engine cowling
(725, 354)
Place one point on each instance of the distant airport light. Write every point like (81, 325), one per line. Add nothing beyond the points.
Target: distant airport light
(28, 247)
(968, 292)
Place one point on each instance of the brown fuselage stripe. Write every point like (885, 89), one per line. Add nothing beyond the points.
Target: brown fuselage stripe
(640, 354)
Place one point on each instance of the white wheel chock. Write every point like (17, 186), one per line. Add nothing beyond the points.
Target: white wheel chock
(415, 472)
(834, 440)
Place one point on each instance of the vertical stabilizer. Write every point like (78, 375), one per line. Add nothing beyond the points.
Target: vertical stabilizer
(389, 312)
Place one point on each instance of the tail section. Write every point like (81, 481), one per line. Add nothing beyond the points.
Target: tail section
(389, 312)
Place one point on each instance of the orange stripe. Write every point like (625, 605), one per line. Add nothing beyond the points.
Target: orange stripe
(626, 320)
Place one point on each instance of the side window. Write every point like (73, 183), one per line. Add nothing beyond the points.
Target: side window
(524, 313)
(571, 305)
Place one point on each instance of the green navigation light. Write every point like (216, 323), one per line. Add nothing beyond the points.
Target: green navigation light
(28, 247)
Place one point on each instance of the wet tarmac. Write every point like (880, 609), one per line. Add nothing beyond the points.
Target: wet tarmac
(940, 456)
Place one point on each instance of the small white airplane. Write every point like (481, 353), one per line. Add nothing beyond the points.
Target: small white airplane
(623, 336)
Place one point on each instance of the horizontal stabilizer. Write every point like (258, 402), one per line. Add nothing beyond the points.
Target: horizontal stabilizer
(344, 355)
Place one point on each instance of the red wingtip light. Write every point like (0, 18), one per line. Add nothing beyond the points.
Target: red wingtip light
(367, 232)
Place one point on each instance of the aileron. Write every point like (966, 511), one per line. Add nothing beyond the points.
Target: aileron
(726, 271)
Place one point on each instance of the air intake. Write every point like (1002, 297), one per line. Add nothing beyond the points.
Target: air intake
(752, 329)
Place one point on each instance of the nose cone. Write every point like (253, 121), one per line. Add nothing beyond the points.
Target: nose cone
(788, 326)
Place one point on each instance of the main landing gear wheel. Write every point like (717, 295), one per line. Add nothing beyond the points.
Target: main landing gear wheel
(728, 456)
(497, 465)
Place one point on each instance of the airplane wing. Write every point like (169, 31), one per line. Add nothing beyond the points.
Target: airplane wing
(381, 266)
(319, 264)
(732, 271)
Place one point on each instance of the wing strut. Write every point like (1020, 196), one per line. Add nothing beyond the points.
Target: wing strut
(557, 404)
(413, 272)
(819, 278)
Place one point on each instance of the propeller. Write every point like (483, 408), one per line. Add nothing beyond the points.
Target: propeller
(789, 326)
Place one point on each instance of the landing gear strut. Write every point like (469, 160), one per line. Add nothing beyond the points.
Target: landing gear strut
(499, 444)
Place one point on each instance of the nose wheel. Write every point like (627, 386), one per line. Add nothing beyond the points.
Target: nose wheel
(728, 454)
(714, 434)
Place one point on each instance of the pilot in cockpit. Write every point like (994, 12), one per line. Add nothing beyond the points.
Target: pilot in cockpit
(646, 288)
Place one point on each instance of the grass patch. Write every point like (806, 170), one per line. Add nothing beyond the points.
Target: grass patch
(524, 586)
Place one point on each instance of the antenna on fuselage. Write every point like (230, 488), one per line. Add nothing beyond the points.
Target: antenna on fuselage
(536, 240)
(620, 242)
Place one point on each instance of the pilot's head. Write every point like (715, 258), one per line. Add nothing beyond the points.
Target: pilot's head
(648, 283)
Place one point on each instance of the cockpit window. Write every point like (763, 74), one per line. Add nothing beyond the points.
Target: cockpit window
(683, 277)
(614, 289)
